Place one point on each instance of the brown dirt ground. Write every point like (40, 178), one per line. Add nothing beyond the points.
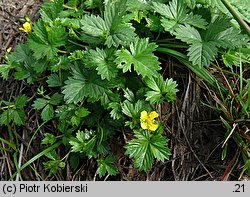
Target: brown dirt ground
(196, 142)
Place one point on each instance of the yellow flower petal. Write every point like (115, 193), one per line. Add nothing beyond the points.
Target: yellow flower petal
(9, 49)
(152, 126)
(147, 120)
(144, 115)
(152, 115)
(144, 125)
(26, 27)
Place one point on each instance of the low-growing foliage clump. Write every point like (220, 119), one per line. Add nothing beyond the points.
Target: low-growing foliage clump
(97, 73)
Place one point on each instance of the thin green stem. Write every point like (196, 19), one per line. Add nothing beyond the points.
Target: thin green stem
(237, 17)
(34, 135)
(45, 151)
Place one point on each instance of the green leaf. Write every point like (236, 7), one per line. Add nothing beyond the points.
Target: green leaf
(18, 117)
(76, 146)
(56, 98)
(83, 83)
(22, 54)
(141, 56)
(48, 139)
(176, 13)
(21, 101)
(145, 148)
(187, 34)
(220, 24)
(161, 90)
(158, 147)
(47, 113)
(25, 64)
(116, 112)
(195, 20)
(121, 35)
(133, 109)
(75, 120)
(129, 95)
(39, 103)
(243, 7)
(82, 112)
(202, 53)
(112, 28)
(52, 155)
(94, 26)
(107, 166)
(6, 116)
(44, 41)
(85, 142)
(230, 38)
(53, 166)
(175, 10)
(50, 11)
(54, 81)
(91, 4)
(5, 69)
(78, 143)
(139, 149)
(120, 32)
(103, 60)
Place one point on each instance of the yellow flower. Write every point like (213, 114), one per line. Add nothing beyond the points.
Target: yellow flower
(9, 49)
(147, 120)
(26, 27)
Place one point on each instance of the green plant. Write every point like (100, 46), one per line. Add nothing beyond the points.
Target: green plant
(95, 74)
(209, 30)
(96, 70)
(234, 108)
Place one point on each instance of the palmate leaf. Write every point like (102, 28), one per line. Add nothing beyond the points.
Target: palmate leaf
(50, 11)
(21, 101)
(158, 147)
(107, 166)
(25, 64)
(202, 53)
(39, 103)
(47, 113)
(230, 38)
(141, 56)
(161, 89)
(195, 20)
(5, 69)
(203, 49)
(17, 116)
(176, 13)
(44, 41)
(94, 25)
(103, 60)
(145, 148)
(139, 149)
(112, 28)
(187, 34)
(215, 27)
(83, 83)
(120, 32)
(133, 109)
(175, 10)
